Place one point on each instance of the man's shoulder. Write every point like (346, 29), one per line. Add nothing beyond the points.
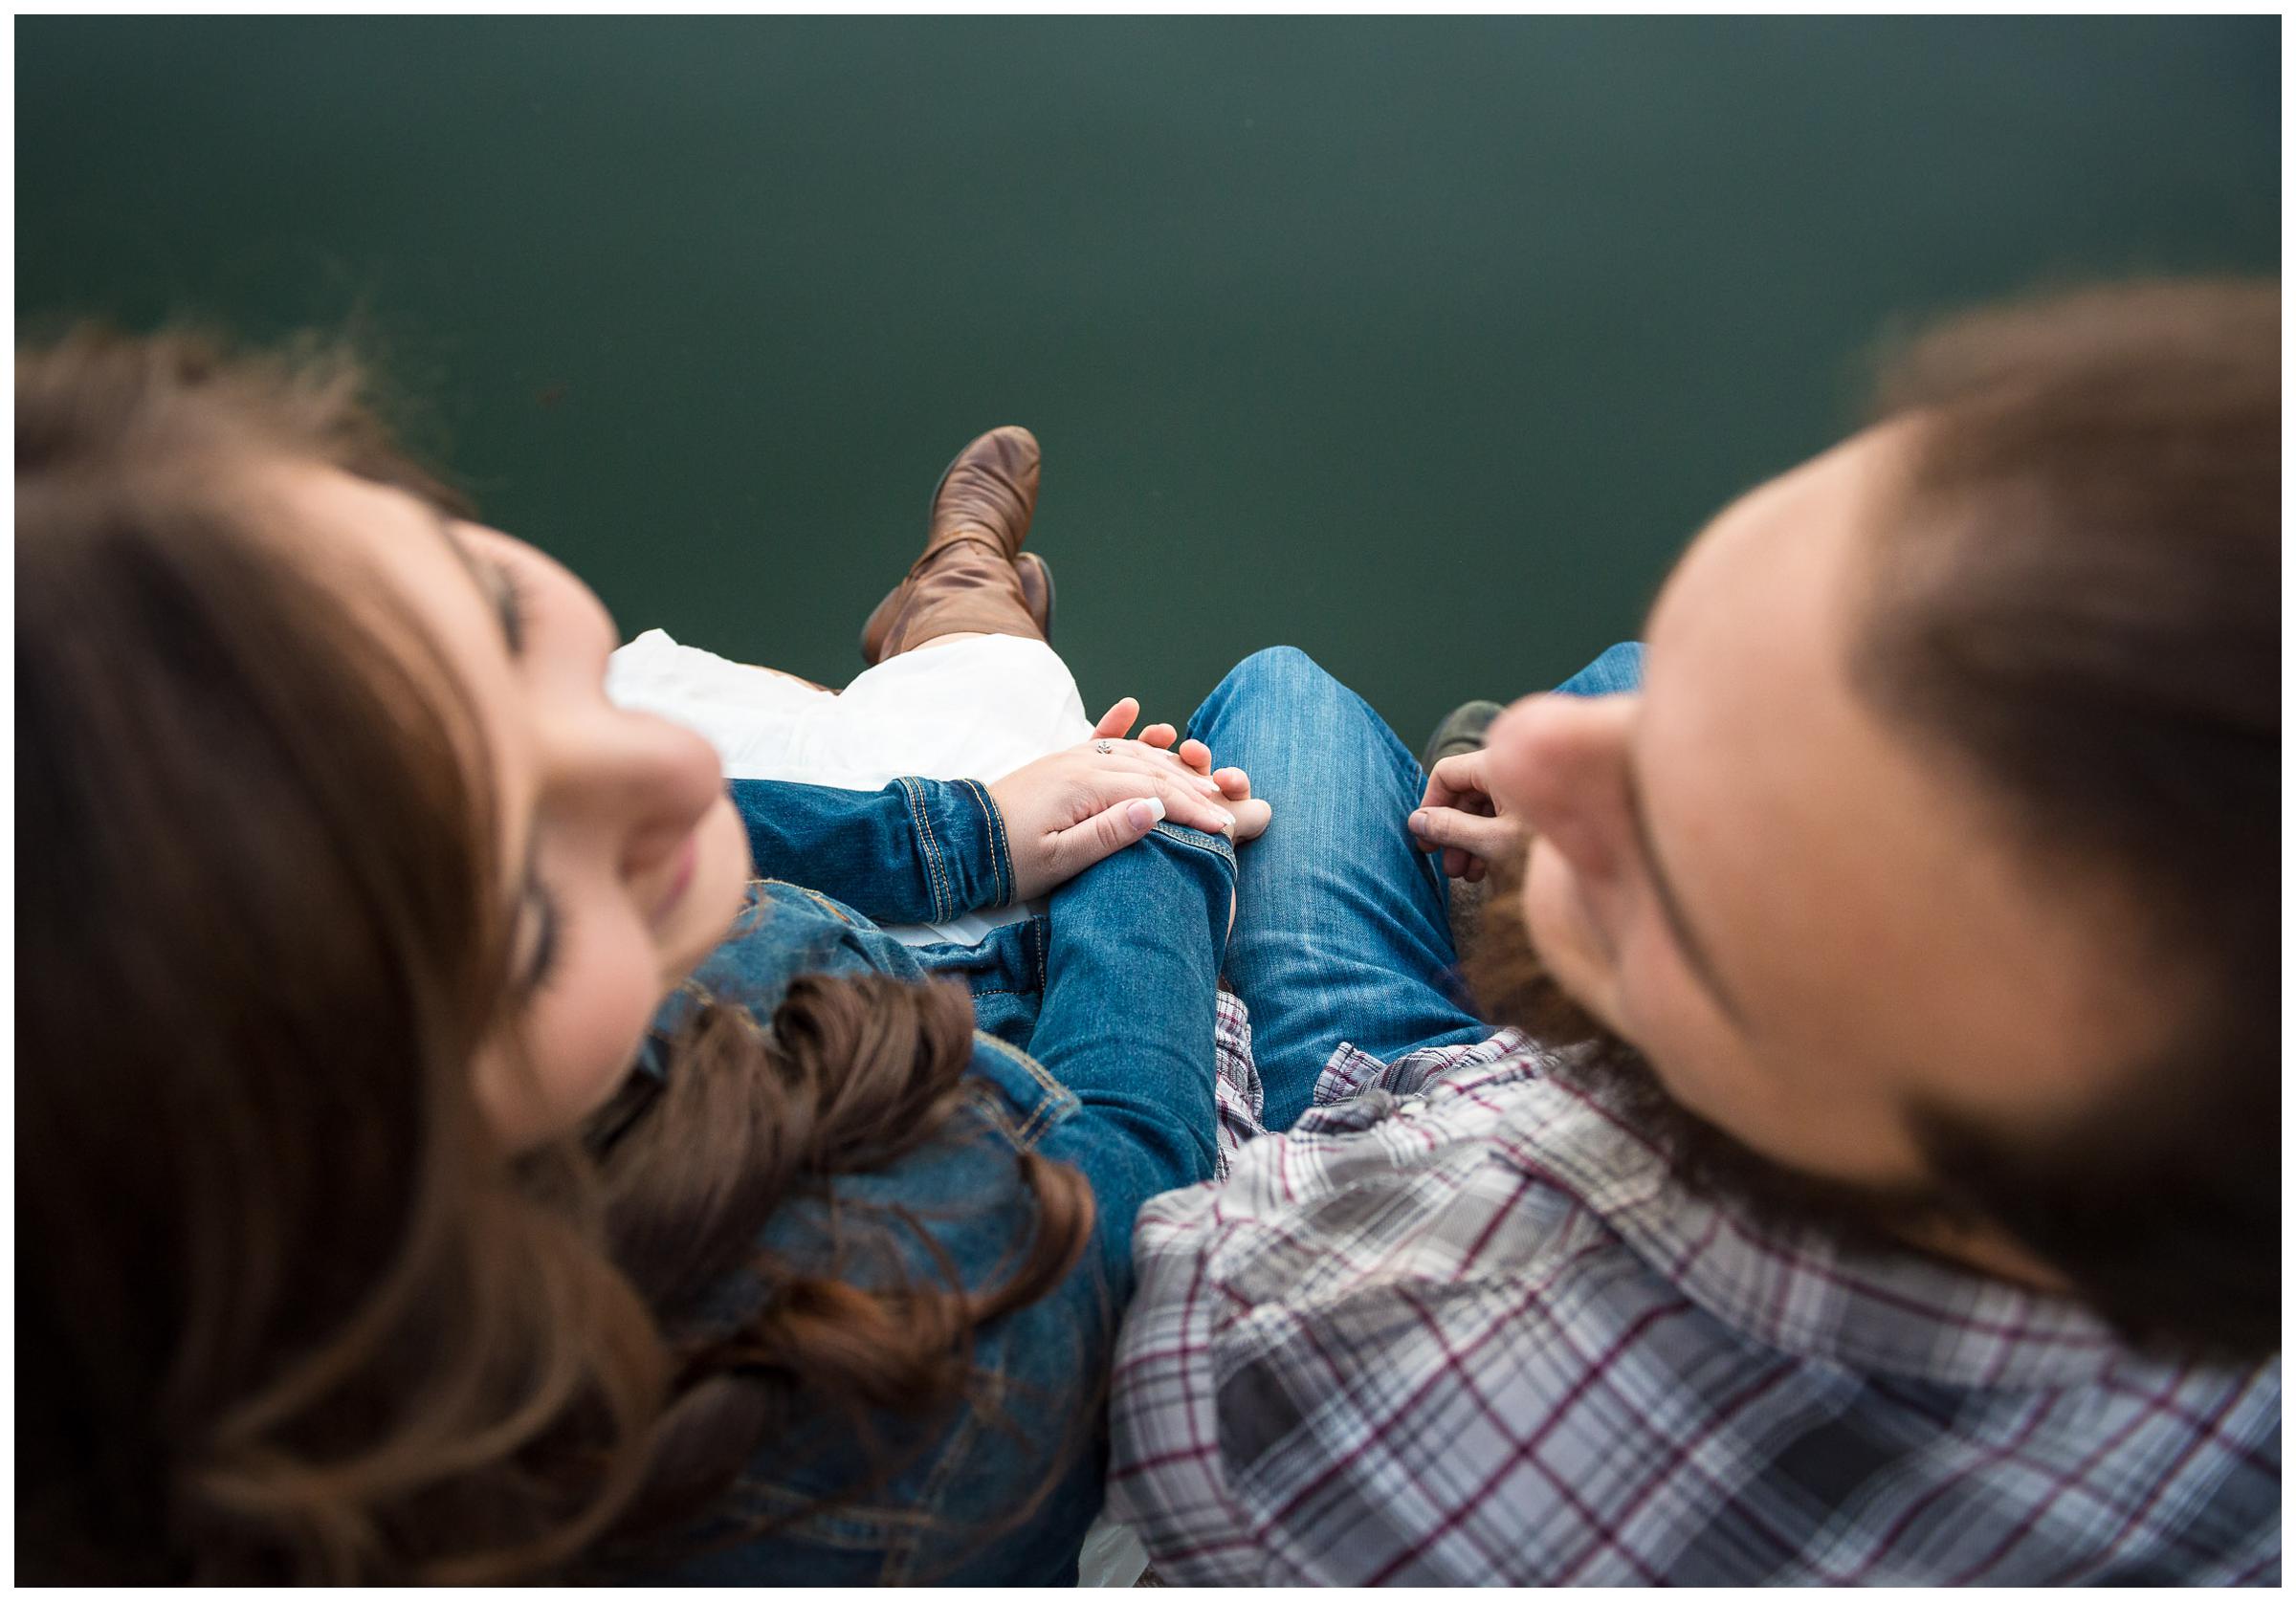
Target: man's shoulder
(1497, 1286)
(1459, 1434)
(1449, 1178)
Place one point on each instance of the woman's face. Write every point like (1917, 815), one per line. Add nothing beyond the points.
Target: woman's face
(625, 861)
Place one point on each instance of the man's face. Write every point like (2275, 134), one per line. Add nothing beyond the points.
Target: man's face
(1806, 922)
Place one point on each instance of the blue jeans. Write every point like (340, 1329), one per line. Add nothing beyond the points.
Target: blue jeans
(1343, 926)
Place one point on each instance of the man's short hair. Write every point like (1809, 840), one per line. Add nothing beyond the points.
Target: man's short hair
(2079, 604)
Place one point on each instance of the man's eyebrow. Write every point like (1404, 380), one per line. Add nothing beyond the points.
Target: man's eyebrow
(489, 583)
(1693, 949)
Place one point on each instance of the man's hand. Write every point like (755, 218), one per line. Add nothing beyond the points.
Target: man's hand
(1065, 812)
(1458, 817)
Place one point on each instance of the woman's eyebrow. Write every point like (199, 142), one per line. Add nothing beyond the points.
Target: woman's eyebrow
(1693, 949)
(491, 589)
(529, 892)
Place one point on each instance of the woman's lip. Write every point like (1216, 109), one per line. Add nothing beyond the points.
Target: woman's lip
(681, 876)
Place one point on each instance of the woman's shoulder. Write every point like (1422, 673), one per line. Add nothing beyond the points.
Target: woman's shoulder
(999, 1489)
(1016, 1093)
(783, 930)
(953, 1211)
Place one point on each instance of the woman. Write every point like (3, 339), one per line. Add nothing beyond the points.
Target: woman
(351, 1244)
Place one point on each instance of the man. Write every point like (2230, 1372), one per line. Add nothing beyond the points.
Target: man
(1880, 1180)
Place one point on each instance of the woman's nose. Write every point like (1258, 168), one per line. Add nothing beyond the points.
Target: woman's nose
(644, 781)
(1558, 762)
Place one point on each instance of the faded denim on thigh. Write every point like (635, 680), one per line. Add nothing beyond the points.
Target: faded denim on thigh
(1343, 929)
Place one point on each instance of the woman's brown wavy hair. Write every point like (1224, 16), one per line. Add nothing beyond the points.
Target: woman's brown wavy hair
(284, 1312)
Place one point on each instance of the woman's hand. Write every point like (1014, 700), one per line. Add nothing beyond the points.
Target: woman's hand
(1252, 815)
(1065, 812)
(1458, 817)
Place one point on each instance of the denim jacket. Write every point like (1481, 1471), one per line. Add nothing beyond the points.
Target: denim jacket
(1092, 1047)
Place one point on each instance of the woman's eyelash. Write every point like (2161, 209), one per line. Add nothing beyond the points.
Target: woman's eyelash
(511, 594)
(548, 941)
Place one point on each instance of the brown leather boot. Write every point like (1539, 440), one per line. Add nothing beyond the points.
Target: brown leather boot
(973, 577)
(1036, 589)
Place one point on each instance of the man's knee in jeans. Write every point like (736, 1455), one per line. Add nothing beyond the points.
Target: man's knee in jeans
(1271, 666)
(1274, 676)
(1617, 670)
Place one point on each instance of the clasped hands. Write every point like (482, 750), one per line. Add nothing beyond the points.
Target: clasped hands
(1065, 812)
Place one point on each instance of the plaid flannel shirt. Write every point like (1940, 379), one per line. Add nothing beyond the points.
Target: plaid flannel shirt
(1461, 1325)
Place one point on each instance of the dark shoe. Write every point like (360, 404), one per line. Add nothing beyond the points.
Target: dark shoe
(967, 580)
(1464, 730)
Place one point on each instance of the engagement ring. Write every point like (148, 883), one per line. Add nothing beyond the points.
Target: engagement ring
(1103, 747)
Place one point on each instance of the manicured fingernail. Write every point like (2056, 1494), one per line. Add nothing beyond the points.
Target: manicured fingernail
(1207, 787)
(1143, 813)
(1228, 823)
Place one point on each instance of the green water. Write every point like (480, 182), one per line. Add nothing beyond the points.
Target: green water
(1422, 345)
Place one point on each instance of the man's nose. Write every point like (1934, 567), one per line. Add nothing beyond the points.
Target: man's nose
(1558, 763)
